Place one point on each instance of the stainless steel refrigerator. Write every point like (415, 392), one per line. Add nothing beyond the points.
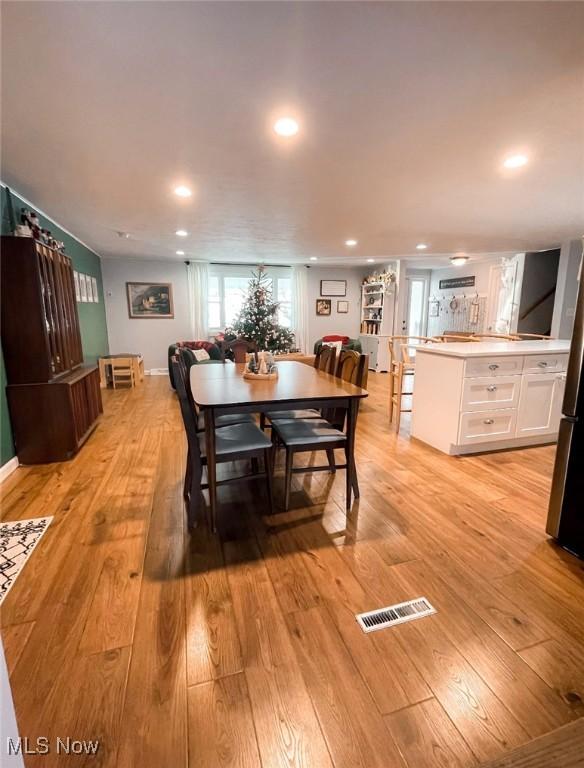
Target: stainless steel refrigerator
(566, 509)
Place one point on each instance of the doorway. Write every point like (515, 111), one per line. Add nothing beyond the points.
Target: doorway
(417, 305)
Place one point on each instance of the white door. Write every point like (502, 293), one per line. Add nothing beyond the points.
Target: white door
(502, 305)
(417, 306)
(540, 404)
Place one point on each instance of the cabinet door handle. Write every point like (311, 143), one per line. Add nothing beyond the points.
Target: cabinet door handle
(493, 366)
(488, 421)
(542, 364)
(492, 388)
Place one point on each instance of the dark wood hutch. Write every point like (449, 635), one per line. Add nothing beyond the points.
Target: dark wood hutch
(54, 399)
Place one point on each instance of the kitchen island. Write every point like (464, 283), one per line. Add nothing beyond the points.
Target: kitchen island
(484, 396)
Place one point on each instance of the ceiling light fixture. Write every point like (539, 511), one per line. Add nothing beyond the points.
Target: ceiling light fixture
(458, 261)
(181, 232)
(180, 253)
(351, 243)
(182, 191)
(421, 247)
(371, 261)
(515, 161)
(314, 258)
(286, 126)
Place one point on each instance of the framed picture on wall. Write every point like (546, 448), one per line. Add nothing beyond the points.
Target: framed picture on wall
(323, 307)
(342, 307)
(83, 287)
(94, 290)
(333, 287)
(150, 300)
(76, 282)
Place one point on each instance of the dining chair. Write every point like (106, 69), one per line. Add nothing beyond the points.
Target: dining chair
(324, 360)
(401, 367)
(323, 434)
(232, 443)
(240, 347)
(532, 336)
(487, 336)
(225, 420)
(122, 371)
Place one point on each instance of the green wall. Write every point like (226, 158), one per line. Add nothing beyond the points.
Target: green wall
(91, 316)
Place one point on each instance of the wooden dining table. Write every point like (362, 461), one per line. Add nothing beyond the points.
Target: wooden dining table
(221, 389)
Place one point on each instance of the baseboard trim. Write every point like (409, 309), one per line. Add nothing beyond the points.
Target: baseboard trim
(8, 468)
(157, 372)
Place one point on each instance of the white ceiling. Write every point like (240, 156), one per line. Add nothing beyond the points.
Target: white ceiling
(406, 112)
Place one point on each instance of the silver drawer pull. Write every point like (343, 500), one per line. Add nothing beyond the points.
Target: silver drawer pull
(542, 364)
(488, 421)
(492, 388)
(493, 366)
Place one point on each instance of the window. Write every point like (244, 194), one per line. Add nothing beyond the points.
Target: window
(228, 286)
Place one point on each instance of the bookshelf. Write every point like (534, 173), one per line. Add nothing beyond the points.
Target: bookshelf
(377, 317)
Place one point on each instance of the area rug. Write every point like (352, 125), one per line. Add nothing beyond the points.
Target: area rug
(17, 542)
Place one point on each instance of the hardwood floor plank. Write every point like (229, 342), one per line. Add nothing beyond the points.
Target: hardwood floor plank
(427, 738)
(561, 665)
(354, 729)
(221, 729)
(287, 729)
(156, 692)
(563, 748)
(14, 638)
(213, 648)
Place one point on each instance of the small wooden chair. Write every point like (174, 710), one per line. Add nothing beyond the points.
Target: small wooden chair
(401, 364)
(122, 371)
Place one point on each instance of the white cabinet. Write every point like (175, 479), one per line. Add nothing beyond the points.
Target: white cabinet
(540, 403)
(474, 397)
(377, 347)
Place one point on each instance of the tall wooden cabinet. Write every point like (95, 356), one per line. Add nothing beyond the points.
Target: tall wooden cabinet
(54, 400)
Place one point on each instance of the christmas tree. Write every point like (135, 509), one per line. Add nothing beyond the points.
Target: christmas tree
(258, 319)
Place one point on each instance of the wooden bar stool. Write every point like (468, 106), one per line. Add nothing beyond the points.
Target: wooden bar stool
(401, 364)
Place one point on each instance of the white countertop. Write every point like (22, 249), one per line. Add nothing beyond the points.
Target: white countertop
(495, 348)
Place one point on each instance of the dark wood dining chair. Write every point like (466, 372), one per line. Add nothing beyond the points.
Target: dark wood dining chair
(226, 419)
(324, 360)
(302, 435)
(232, 443)
(240, 347)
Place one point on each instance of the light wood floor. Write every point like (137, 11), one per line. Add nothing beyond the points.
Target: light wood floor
(243, 650)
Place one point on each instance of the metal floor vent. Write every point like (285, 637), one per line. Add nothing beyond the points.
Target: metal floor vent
(395, 614)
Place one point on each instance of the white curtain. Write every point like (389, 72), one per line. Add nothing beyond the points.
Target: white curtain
(300, 315)
(198, 287)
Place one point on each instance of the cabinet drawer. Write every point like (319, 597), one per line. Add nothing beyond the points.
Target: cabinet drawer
(493, 366)
(487, 426)
(490, 392)
(545, 363)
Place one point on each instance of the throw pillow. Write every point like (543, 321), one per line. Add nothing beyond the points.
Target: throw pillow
(201, 354)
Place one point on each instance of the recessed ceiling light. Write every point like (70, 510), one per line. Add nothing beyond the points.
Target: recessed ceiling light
(180, 253)
(351, 243)
(181, 232)
(515, 161)
(421, 246)
(371, 261)
(286, 126)
(182, 191)
(458, 261)
(314, 258)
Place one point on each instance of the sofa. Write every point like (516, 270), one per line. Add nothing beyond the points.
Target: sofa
(187, 349)
(346, 343)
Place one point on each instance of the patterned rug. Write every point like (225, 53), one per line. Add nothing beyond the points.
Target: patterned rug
(17, 541)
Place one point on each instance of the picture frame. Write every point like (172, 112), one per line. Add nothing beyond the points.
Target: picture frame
(150, 301)
(76, 283)
(94, 290)
(323, 307)
(333, 287)
(343, 307)
(83, 288)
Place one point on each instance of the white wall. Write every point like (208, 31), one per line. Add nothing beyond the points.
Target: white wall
(480, 269)
(567, 289)
(148, 336)
(343, 324)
